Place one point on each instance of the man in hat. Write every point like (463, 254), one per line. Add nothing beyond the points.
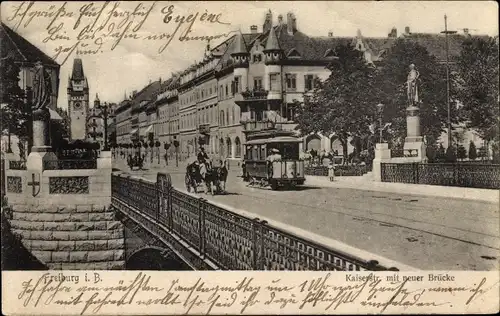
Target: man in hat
(274, 156)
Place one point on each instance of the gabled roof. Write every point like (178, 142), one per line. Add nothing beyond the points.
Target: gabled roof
(22, 50)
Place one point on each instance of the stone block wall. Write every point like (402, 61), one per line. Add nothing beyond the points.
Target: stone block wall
(78, 237)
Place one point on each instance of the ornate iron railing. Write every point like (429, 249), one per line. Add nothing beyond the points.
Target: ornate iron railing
(17, 164)
(486, 176)
(397, 152)
(70, 164)
(228, 240)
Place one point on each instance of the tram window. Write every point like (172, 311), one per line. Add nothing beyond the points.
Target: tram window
(255, 152)
(263, 152)
(248, 153)
(290, 151)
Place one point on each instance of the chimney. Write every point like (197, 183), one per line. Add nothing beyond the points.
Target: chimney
(268, 22)
(407, 30)
(290, 21)
(280, 19)
(330, 34)
(253, 29)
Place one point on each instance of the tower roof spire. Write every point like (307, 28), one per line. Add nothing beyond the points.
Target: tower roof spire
(272, 43)
(239, 46)
(77, 73)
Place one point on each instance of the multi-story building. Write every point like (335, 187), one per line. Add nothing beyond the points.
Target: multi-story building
(253, 81)
(95, 123)
(167, 114)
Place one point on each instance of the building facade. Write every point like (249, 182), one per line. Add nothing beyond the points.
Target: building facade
(253, 81)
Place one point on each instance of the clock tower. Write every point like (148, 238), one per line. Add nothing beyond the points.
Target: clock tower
(78, 101)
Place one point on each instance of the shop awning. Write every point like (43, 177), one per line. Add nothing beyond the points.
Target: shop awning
(134, 131)
(146, 131)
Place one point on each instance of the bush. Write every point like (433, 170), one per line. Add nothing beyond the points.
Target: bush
(472, 151)
(461, 152)
(451, 155)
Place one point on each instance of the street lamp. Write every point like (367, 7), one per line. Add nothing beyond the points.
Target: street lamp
(380, 110)
(104, 114)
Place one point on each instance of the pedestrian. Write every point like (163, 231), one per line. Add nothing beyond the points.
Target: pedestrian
(331, 171)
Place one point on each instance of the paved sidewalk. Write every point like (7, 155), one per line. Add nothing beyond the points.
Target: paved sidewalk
(362, 183)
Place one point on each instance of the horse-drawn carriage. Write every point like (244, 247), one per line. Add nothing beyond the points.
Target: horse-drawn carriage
(135, 161)
(284, 169)
(212, 176)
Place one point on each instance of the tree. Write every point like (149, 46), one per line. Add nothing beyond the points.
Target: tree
(391, 83)
(461, 152)
(478, 69)
(15, 116)
(343, 104)
(472, 151)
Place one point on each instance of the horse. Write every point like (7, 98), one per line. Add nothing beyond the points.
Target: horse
(193, 177)
(209, 176)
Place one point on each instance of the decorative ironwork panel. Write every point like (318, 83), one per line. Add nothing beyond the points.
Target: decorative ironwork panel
(69, 164)
(283, 251)
(472, 175)
(68, 185)
(230, 238)
(14, 184)
(163, 187)
(186, 217)
(397, 152)
(398, 172)
(17, 164)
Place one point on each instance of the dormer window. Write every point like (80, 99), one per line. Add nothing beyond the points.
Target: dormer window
(293, 53)
(330, 53)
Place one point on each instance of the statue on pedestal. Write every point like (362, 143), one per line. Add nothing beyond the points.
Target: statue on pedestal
(42, 91)
(412, 86)
(42, 88)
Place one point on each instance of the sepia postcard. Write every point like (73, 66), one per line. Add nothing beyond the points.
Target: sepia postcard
(249, 157)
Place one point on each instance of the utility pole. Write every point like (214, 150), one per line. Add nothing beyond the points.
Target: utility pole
(446, 32)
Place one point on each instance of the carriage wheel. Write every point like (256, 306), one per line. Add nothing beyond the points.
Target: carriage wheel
(274, 185)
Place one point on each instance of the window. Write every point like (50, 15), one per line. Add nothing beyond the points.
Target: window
(275, 83)
(257, 58)
(309, 82)
(233, 118)
(238, 147)
(221, 92)
(237, 84)
(227, 90)
(291, 82)
(257, 83)
(221, 118)
(227, 117)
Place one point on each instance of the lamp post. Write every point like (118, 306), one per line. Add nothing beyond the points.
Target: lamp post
(380, 110)
(176, 145)
(104, 114)
(446, 32)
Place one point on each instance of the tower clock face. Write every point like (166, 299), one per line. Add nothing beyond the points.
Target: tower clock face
(78, 106)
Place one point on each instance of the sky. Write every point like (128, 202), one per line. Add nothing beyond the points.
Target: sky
(119, 67)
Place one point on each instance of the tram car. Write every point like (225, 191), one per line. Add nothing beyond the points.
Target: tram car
(284, 168)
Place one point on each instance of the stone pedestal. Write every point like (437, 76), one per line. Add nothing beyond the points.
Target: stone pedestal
(382, 155)
(414, 147)
(41, 151)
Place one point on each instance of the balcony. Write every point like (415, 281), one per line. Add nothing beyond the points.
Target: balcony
(257, 94)
(204, 128)
(253, 125)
